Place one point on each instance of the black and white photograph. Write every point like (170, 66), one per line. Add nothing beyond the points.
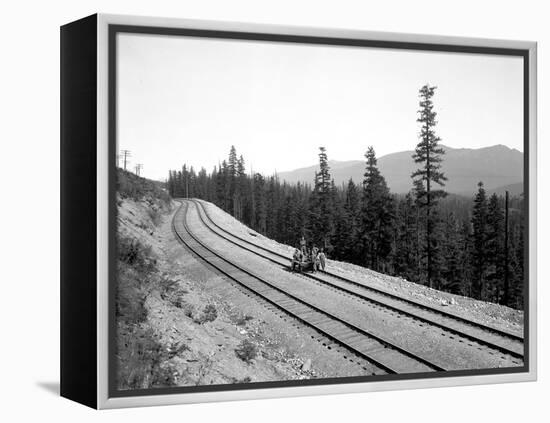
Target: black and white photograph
(275, 211)
(295, 212)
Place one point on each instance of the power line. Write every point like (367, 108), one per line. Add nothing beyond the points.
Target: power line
(125, 154)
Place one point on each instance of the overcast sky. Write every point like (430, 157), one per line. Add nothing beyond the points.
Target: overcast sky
(187, 100)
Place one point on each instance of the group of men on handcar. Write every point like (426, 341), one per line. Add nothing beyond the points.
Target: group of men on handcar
(305, 258)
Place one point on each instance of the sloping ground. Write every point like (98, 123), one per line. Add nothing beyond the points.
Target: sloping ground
(495, 315)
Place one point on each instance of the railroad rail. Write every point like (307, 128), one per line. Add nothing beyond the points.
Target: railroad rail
(381, 353)
(486, 336)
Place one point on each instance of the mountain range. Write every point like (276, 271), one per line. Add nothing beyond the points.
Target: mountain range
(499, 167)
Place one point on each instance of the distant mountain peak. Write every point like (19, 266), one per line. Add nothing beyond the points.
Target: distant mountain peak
(497, 166)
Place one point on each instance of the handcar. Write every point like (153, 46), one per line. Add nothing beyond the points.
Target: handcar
(302, 266)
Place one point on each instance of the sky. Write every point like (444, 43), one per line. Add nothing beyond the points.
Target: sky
(187, 100)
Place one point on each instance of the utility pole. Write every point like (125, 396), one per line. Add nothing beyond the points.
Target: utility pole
(506, 298)
(138, 168)
(126, 154)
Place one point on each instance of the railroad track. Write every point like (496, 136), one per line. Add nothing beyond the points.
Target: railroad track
(381, 353)
(476, 334)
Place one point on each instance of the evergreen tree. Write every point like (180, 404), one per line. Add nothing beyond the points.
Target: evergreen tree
(231, 188)
(518, 281)
(222, 187)
(260, 204)
(428, 154)
(232, 162)
(185, 181)
(516, 254)
(171, 185)
(191, 182)
(212, 187)
(451, 276)
(320, 211)
(239, 190)
(350, 224)
(406, 251)
(201, 190)
(465, 254)
(181, 184)
(479, 243)
(273, 206)
(495, 250)
(376, 214)
(337, 237)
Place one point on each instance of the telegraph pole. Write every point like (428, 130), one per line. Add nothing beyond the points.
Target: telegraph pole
(126, 154)
(138, 168)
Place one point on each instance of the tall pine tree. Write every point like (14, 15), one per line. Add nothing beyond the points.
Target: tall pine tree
(321, 207)
(428, 176)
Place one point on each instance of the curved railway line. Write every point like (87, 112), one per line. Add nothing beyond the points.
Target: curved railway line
(476, 334)
(385, 356)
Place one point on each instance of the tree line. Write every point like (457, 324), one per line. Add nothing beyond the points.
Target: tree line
(468, 246)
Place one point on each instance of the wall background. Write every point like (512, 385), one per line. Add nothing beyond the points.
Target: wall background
(29, 166)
